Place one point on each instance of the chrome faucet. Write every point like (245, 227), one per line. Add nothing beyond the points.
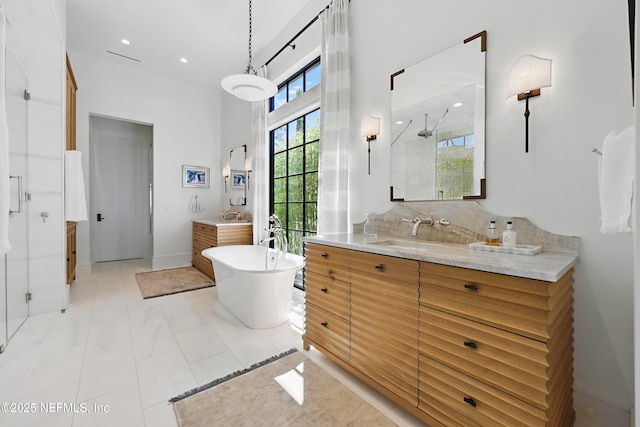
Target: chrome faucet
(230, 213)
(277, 234)
(416, 223)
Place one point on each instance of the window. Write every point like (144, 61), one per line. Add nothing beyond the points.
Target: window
(306, 79)
(455, 167)
(294, 177)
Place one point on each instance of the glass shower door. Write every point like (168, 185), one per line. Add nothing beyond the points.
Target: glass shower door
(16, 263)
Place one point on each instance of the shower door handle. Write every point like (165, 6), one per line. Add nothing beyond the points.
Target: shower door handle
(19, 178)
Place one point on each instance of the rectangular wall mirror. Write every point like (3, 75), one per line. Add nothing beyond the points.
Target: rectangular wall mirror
(237, 177)
(438, 125)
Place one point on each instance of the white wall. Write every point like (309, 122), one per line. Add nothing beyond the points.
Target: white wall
(555, 184)
(186, 123)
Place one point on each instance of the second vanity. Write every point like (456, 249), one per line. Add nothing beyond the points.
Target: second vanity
(458, 337)
(211, 233)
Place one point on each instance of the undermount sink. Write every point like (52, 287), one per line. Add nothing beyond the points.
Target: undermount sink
(408, 244)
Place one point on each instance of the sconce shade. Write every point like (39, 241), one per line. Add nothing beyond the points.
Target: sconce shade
(370, 126)
(528, 73)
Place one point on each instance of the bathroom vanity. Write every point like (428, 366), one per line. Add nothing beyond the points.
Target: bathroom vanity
(456, 336)
(211, 233)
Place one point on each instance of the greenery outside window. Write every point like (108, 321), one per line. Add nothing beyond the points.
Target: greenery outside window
(455, 167)
(294, 177)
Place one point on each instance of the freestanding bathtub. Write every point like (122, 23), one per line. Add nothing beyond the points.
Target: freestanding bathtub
(259, 296)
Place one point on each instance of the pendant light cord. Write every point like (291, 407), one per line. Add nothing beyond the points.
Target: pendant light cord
(249, 66)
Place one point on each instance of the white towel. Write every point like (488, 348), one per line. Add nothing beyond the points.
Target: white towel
(5, 246)
(617, 171)
(75, 204)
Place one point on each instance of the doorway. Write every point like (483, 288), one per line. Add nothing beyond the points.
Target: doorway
(121, 209)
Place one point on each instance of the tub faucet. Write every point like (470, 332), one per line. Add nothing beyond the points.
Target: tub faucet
(277, 234)
(416, 223)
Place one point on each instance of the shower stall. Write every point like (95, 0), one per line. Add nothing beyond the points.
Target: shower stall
(14, 266)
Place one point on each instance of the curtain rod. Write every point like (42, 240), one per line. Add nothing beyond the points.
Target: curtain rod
(305, 28)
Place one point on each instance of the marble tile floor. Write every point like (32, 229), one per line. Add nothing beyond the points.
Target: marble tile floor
(115, 359)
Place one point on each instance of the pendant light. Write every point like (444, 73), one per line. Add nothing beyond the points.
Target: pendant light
(249, 86)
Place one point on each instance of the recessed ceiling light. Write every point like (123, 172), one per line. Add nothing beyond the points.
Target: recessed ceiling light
(125, 41)
(399, 122)
(458, 104)
(183, 60)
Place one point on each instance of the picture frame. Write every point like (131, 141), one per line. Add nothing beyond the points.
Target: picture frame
(195, 176)
(238, 179)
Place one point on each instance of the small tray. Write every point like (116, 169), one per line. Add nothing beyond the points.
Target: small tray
(518, 250)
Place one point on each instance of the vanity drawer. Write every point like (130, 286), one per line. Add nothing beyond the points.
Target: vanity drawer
(328, 261)
(327, 293)
(327, 330)
(524, 306)
(455, 399)
(507, 361)
(383, 267)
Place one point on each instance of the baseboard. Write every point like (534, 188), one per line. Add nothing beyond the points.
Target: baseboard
(171, 261)
(592, 412)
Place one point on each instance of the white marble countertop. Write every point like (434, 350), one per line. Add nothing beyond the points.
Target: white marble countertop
(219, 222)
(547, 266)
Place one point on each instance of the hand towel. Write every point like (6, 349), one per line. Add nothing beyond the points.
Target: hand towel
(75, 204)
(617, 172)
(5, 246)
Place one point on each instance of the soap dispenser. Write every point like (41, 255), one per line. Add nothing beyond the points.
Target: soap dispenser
(493, 238)
(509, 236)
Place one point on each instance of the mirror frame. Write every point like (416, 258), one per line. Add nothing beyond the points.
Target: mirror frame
(483, 181)
(233, 170)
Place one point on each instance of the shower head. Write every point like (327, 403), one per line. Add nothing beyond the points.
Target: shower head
(426, 133)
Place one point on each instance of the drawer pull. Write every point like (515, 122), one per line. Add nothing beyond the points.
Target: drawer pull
(470, 287)
(470, 344)
(324, 290)
(470, 401)
(324, 324)
(325, 255)
(379, 267)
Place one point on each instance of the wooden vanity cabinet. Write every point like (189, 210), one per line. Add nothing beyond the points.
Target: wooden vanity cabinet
(384, 321)
(328, 299)
(71, 252)
(454, 346)
(72, 87)
(495, 349)
(205, 236)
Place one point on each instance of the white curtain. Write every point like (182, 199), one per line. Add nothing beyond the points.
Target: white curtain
(333, 186)
(260, 168)
(5, 246)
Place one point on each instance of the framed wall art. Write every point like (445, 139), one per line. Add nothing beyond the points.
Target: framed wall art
(195, 176)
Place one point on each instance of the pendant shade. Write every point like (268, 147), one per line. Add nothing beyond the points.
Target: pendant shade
(249, 87)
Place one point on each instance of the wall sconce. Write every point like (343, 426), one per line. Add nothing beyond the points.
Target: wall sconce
(525, 78)
(370, 128)
(226, 173)
(247, 168)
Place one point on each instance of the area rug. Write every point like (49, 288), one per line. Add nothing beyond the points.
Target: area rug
(172, 281)
(287, 390)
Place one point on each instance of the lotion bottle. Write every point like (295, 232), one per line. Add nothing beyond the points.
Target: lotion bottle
(509, 236)
(493, 238)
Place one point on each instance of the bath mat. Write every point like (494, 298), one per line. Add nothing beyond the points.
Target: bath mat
(287, 390)
(172, 281)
